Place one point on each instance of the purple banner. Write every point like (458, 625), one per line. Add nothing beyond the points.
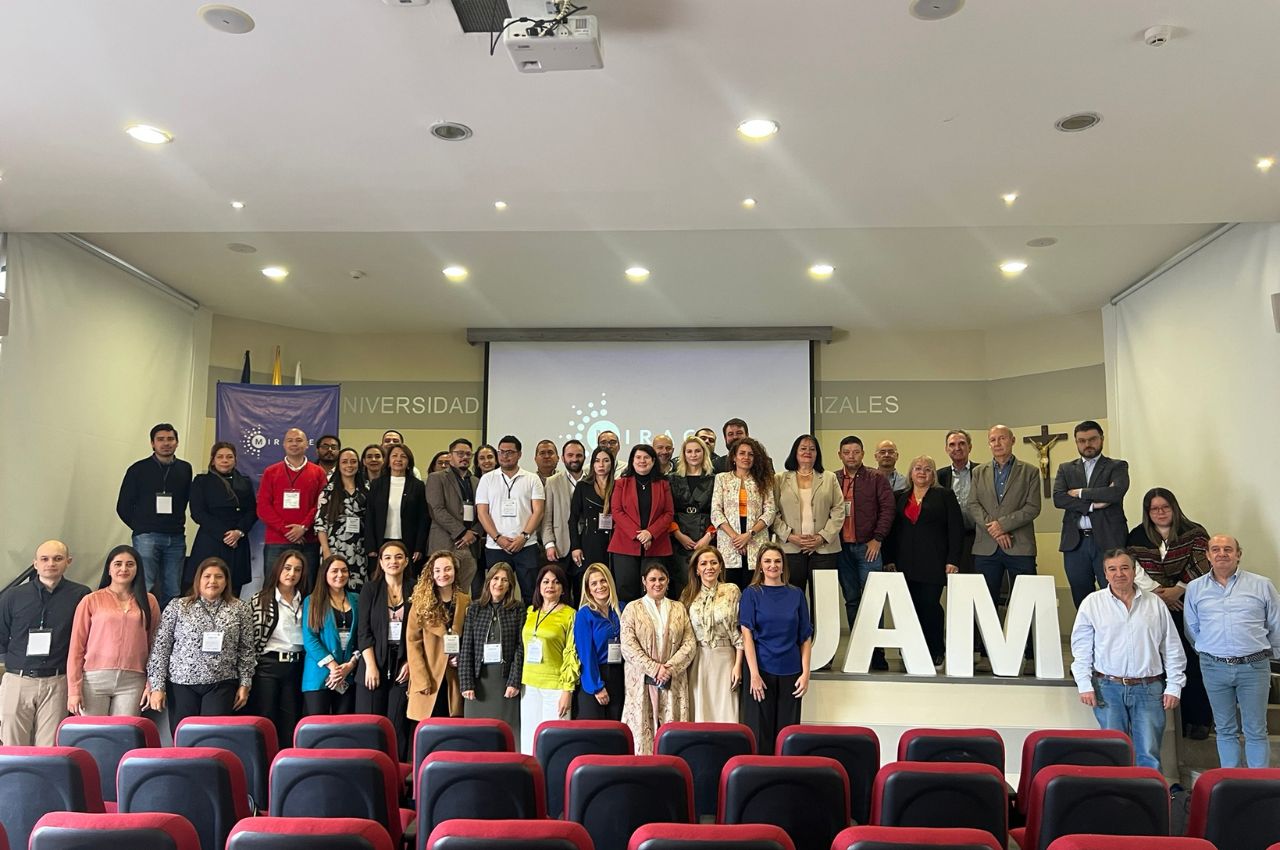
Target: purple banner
(254, 417)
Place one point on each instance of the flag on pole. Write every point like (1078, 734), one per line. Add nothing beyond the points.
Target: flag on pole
(275, 369)
(297, 375)
(245, 376)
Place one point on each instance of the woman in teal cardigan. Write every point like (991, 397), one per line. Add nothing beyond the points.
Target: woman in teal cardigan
(329, 639)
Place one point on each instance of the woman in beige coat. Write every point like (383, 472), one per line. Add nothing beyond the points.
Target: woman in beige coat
(657, 648)
(810, 512)
(435, 630)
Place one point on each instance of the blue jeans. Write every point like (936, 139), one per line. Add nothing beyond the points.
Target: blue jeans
(852, 568)
(1137, 711)
(163, 556)
(1083, 566)
(525, 565)
(1245, 686)
(994, 566)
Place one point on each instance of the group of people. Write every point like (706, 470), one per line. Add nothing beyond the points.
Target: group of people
(648, 581)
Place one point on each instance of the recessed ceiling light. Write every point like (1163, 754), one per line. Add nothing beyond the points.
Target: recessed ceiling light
(749, 203)
(1013, 268)
(1042, 242)
(226, 19)
(935, 10)
(276, 273)
(499, 205)
(1078, 121)
(1264, 164)
(821, 271)
(455, 274)
(637, 274)
(1009, 198)
(450, 131)
(148, 134)
(758, 128)
(241, 248)
(237, 205)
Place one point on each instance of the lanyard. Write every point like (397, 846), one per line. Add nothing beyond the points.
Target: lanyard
(166, 468)
(212, 618)
(293, 479)
(464, 487)
(510, 484)
(493, 621)
(538, 618)
(40, 598)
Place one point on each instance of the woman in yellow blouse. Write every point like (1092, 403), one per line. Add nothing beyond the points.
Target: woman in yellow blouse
(713, 611)
(438, 610)
(550, 661)
(743, 508)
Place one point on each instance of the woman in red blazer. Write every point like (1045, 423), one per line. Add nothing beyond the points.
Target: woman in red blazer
(642, 510)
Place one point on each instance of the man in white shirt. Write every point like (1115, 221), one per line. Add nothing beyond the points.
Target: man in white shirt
(509, 504)
(555, 519)
(1128, 660)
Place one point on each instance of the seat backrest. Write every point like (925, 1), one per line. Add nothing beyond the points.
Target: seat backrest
(478, 786)
(251, 739)
(309, 834)
(856, 748)
(459, 734)
(107, 739)
(1045, 747)
(37, 780)
(941, 795)
(707, 836)
(340, 783)
(1070, 799)
(141, 831)
(205, 785)
(613, 796)
(1236, 807)
(347, 732)
(984, 746)
(705, 747)
(558, 742)
(468, 834)
(807, 796)
(914, 838)
(1129, 842)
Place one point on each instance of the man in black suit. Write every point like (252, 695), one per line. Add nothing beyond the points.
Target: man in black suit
(1090, 490)
(957, 477)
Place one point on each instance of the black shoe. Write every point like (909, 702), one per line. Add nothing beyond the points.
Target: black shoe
(878, 661)
(1198, 733)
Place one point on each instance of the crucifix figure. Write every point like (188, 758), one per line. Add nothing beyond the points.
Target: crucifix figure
(1044, 441)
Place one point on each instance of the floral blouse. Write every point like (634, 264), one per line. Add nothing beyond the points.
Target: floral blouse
(714, 615)
(178, 654)
(347, 544)
(725, 508)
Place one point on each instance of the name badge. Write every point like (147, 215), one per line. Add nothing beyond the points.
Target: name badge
(848, 508)
(615, 653)
(468, 513)
(211, 642)
(164, 503)
(605, 522)
(352, 525)
(451, 644)
(344, 637)
(394, 630)
(39, 641)
(533, 652)
(292, 499)
(493, 653)
(508, 508)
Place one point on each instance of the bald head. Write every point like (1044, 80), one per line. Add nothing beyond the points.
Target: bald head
(51, 562)
(1000, 441)
(1224, 554)
(295, 445)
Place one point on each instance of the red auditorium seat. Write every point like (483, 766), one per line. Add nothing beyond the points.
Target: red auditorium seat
(1100, 747)
(508, 835)
(35, 781)
(613, 796)
(856, 748)
(341, 783)
(478, 786)
(205, 785)
(738, 836)
(1068, 799)
(1130, 842)
(459, 734)
(351, 732)
(914, 838)
(143, 831)
(1237, 808)
(251, 739)
(808, 796)
(309, 834)
(558, 742)
(706, 748)
(107, 739)
(941, 795)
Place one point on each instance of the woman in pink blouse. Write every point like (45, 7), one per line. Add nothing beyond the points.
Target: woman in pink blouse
(111, 638)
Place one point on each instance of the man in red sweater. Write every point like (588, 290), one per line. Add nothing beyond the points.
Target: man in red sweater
(287, 500)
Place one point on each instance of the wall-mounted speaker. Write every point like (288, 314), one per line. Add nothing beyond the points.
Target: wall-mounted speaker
(4, 316)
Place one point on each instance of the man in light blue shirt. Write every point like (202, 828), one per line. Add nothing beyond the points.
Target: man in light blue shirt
(1232, 619)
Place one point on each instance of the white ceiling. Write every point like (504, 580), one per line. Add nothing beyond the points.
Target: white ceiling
(898, 138)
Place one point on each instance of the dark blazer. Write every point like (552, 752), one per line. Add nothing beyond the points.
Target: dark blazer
(475, 628)
(944, 474)
(626, 518)
(413, 514)
(922, 550)
(372, 621)
(584, 526)
(1109, 484)
(218, 509)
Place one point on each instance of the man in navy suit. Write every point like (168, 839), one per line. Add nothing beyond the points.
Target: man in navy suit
(957, 477)
(1090, 490)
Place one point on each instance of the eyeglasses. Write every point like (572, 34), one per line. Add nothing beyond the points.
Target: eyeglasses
(508, 451)
(1159, 509)
(461, 453)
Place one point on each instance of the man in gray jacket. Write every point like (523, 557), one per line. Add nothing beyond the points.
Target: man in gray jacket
(1004, 501)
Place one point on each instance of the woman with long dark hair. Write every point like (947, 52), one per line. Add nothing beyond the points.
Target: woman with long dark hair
(386, 605)
(373, 463)
(491, 658)
(224, 507)
(810, 512)
(590, 517)
(277, 640)
(397, 507)
(340, 517)
(329, 620)
(486, 459)
(642, 514)
(551, 668)
(111, 639)
(743, 508)
(658, 646)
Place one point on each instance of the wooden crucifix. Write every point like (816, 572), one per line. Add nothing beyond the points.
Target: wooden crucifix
(1044, 441)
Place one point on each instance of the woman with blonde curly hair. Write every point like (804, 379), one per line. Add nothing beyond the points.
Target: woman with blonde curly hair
(435, 631)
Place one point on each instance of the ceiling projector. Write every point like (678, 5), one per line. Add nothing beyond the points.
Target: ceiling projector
(541, 38)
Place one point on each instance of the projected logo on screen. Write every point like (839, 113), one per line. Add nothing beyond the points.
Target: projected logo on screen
(253, 441)
(589, 422)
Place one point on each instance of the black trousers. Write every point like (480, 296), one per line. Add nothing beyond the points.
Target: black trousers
(277, 695)
(778, 710)
(392, 702)
(626, 575)
(213, 700)
(327, 702)
(615, 684)
(927, 599)
(800, 567)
